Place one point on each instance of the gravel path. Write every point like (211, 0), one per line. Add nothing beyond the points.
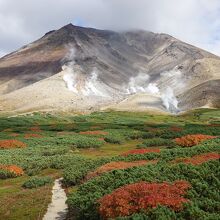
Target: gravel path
(57, 209)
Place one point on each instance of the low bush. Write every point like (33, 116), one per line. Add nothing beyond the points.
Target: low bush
(87, 142)
(74, 173)
(94, 132)
(192, 140)
(133, 198)
(117, 165)
(8, 144)
(35, 129)
(11, 171)
(52, 152)
(5, 174)
(118, 136)
(36, 182)
(75, 140)
(141, 151)
(198, 159)
(27, 136)
(176, 129)
(156, 142)
(201, 177)
(14, 134)
(114, 139)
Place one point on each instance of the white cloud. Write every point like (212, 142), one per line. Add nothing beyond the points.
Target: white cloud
(194, 21)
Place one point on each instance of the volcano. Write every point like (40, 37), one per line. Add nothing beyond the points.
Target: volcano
(78, 69)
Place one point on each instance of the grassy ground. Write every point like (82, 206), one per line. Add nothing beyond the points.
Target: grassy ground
(19, 203)
(58, 148)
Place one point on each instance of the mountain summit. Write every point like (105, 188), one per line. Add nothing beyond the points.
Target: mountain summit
(84, 69)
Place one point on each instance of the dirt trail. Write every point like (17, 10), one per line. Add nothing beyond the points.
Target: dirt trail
(57, 209)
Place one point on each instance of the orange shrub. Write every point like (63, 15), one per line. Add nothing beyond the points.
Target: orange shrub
(7, 144)
(198, 159)
(94, 132)
(192, 139)
(18, 171)
(117, 166)
(27, 136)
(133, 198)
(141, 151)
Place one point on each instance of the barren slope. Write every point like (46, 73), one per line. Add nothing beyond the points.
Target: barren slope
(84, 69)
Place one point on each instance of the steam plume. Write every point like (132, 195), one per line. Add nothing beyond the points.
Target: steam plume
(138, 83)
(169, 100)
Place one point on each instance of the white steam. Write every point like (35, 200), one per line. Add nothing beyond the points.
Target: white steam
(138, 83)
(90, 85)
(141, 84)
(153, 89)
(80, 83)
(93, 86)
(69, 78)
(176, 82)
(169, 100)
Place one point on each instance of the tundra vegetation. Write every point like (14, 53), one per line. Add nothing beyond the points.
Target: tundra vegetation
(119, 165)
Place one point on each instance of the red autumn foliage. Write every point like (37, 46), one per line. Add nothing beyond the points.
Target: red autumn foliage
(94, 132)
(14, 134)
(198, 159)
(214, 125)
(192, 139)
(27, 136)
(141, 151)
(35, 129)
(18, 171)
(117, 166)
(133, 198)
(7, 144)
(176, 129)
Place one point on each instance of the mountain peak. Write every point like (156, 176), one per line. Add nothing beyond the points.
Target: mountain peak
(107, 66)
(68, 26)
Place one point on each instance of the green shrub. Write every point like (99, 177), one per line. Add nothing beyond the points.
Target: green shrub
(156, 142)
(85, 198)
(204, 179)
(158, 213)
(76, 140)
(87, 142)
(74, 173)
(114, 139)
(5, 174)
(36, 182)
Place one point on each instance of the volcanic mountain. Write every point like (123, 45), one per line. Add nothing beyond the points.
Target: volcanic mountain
(84, 69)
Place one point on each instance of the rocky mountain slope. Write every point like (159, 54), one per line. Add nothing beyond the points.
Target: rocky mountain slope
(85, 69)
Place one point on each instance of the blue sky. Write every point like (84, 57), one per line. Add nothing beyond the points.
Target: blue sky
(194, 21)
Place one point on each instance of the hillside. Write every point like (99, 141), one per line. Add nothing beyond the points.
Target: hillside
(83, 69)
(127, 165)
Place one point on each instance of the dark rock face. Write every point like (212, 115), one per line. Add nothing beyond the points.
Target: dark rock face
(117, 56)
(201, 95)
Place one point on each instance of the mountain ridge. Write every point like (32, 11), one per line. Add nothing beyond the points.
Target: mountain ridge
(106, 66)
